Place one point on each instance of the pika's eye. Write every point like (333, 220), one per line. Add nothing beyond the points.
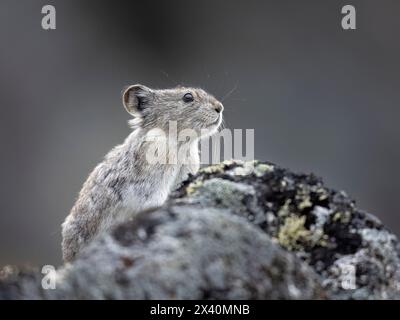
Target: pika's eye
(188, 97)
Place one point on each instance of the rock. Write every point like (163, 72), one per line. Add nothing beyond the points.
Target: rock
(20, 283)
(187, 252)
(353, 253)
(237, 230)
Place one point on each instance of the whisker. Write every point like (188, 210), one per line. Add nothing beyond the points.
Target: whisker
(230, 92)
(238, 99)
(222, 126)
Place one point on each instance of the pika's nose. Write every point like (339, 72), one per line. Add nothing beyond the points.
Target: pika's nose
(218, 107)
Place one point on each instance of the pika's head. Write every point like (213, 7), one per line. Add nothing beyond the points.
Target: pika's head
(190, 108)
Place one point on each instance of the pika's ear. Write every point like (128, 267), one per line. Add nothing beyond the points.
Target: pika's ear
(135, 98)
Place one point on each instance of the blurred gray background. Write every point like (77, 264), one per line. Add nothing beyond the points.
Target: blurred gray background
(320, 99)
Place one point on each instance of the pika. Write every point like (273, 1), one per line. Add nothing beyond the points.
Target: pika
(126, 182)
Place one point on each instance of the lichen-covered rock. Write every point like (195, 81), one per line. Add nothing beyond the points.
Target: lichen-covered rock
(20, 283)
(187, 252)
(236, 230)
(355, 256)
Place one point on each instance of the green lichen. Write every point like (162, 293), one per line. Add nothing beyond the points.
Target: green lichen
(293, 234)
(262, 169)
(217, 168)
(193, 187)
(242, 171)
(232, 162)
(322, 194)
(285, 209)
(323, 240)
(305, 203)
(303, 198)
(343, 217)
(245, 169)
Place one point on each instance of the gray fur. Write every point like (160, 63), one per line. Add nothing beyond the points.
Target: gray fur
(125, 181)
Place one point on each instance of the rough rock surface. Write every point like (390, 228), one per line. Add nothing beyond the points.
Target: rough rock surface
(234, 231)
(353, 253)
(20, 283)
(186, 252)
